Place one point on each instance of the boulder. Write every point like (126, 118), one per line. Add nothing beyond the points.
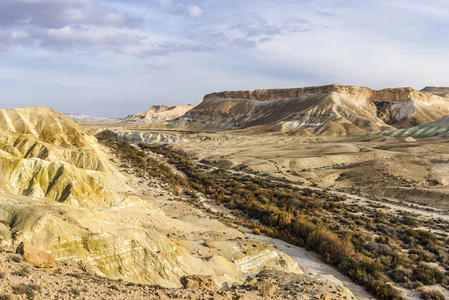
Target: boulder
(202, 282)
(34, 256)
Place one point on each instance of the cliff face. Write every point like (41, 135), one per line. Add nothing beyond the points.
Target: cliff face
(324, 110)
(356, 92)
(160, 113)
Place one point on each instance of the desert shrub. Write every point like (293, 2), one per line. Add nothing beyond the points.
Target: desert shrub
(423, 254)
(75, 292)
(256, 230)
(424, 238)
(376, 249)
(24, 272)
(5, 297)
(410, 221)
(431, 295)
(329, 245)
(380, 217)
(76, 275)
(27, 289)
(16, 258)
(383, 239)
(427, 276)
(400, 274)
(411, 285)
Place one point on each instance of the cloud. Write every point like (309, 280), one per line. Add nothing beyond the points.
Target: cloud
(194, 11)
(166, 3)
(113, 49)
(171, 48)
(57, 14)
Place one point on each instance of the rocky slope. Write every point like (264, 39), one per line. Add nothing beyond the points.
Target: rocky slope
(45, 154)
(62, 194)
(438, 128)
(72, 280)
(161, 113)
(326, 110)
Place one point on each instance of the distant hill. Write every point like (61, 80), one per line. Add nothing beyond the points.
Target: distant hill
(160, 113)
(78, 117)
(331, 110)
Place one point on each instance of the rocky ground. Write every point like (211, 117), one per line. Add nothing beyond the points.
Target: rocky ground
(74, 280)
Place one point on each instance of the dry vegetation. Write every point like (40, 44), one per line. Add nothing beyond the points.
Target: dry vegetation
(376, 249)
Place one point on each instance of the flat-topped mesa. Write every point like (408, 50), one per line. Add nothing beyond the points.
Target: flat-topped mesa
(319, 110)
(399, 95)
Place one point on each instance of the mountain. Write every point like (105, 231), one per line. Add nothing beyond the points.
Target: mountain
(324, 110)
(160, 113)
(78, 118)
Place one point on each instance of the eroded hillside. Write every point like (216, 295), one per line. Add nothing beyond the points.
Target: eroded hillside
(326, 110)
(45, 154)
(64, 194)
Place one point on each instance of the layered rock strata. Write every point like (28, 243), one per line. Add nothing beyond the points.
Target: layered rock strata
(325, 110)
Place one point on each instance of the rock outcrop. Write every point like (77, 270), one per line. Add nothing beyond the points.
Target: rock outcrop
(161, 113)
(324, 110)
(47, 155)
(134, 137)
(36, 257)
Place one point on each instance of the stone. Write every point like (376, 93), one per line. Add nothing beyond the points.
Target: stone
(250, 281)
(202, 282)
(210, 245)
(267, 287)
(34, 256)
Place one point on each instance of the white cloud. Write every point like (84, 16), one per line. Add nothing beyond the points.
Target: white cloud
(244, 45)
(166, 3)
(194, 11)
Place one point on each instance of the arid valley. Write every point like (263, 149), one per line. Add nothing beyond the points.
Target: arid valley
(332, 192)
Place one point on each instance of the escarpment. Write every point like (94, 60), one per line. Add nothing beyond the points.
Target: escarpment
(323, 110)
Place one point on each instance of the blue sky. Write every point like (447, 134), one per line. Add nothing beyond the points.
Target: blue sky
(113, 58)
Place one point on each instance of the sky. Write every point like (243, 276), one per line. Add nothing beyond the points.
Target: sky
(114, 58)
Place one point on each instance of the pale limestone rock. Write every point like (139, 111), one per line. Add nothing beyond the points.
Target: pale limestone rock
(34, 256)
